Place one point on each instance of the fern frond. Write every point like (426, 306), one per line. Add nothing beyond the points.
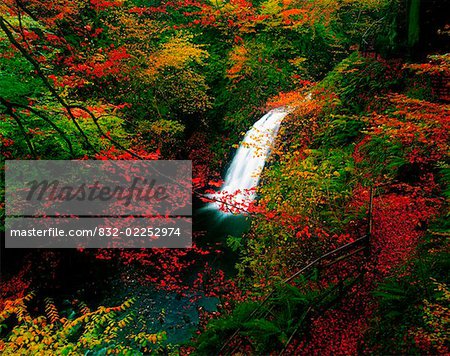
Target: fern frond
(51, 310)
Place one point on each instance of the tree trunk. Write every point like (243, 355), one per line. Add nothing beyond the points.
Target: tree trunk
(414, 23)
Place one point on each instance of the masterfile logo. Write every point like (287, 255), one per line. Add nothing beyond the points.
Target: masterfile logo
(98, 204)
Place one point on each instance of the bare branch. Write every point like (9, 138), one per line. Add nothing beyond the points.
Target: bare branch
(16, 118)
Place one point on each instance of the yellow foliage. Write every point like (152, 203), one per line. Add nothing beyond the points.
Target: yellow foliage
(140, 33)
(272, 7)
(177, 53)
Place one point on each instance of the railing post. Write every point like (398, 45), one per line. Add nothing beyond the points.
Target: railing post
(370, 222)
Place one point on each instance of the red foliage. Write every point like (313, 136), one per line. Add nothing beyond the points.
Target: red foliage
(6, 142)
(95, 68)
(102, 4)
(399, 219)
(398, 225)
(116, 154)
(338, 331)
(202, 161)
(16, 286)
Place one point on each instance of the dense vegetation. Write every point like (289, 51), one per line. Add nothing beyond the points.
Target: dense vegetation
(366, 141)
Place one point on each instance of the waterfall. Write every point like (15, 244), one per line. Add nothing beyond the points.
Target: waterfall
(242, 177)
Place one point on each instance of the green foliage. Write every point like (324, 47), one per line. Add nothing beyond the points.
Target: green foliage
(107, 330)
(325, 184)
(218, 330)
(16, 80)
(235, 243)
(165, 135)
(182, 93)
(339, 131)
(356, 80)
(383, 157)
(445, 179)
(267, 329)
(306, 193)
(47, 140)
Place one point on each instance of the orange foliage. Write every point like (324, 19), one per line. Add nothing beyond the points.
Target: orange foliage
(238, 57)
(421, 126)
(289, 99)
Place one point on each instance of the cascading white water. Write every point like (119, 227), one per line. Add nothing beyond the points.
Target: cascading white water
(242, 177)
